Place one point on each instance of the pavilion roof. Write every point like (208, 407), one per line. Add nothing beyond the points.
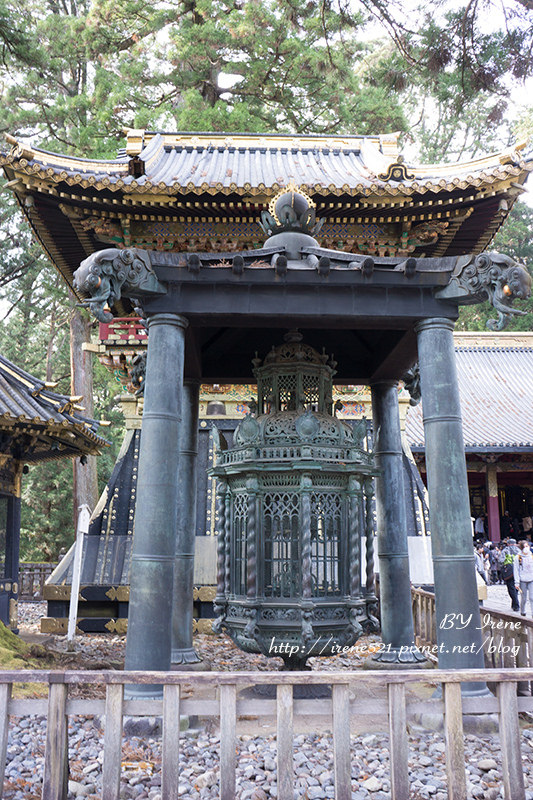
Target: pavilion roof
(37, 424)
(221, 163)
(198, 191)
(496, 389)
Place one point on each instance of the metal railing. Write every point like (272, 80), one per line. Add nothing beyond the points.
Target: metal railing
(226, 705)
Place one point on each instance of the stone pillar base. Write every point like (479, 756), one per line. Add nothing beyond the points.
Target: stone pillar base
(404, 657)
(188, 660)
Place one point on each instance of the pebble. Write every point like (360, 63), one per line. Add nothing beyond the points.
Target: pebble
(372, 784)
(259, 794)
(487, 764)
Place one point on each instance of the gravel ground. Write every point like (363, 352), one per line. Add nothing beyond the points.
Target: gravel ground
(256, 773)
(199, 765)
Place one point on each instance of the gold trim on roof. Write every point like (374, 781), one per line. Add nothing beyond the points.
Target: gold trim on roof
(508, 157)
(22, 151)
(147, 189)
(484, 171)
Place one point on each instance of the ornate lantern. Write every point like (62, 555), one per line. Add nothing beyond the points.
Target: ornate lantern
(294, 497)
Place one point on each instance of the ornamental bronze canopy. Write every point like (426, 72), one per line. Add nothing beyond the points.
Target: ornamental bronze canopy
(294, 499)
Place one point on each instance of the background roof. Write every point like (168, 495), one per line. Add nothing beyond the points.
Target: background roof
(496, 388)
(37, 424)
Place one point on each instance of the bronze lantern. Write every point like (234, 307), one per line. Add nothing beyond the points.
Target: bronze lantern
(294, 500)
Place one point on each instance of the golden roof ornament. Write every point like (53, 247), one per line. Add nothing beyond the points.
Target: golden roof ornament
(397, 171)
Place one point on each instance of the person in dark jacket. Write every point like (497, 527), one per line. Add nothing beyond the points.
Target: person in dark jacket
(507, 572)
(494, 561)
(506, 525)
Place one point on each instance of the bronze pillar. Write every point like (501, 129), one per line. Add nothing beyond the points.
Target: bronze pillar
(148, 641)
(459, 634)
(183, 653)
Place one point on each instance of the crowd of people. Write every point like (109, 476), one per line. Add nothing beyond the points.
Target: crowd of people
(510, 527)
(511, 563)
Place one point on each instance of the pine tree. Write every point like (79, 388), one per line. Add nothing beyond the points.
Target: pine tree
(74, 75)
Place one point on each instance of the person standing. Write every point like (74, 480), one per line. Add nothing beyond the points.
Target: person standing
(479, 528)
(506, 525)
(480, 561)
(494, 561)
(523, 576)
(507, 572)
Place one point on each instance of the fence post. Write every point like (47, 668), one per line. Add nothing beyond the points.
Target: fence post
(228, 696)
(520, 641)
(513, 776)
(170, 744)
(341, 741)
(284, 742)
(455, 752)
(112, 741)
(399, 750)
(5, 696)
(55, 779)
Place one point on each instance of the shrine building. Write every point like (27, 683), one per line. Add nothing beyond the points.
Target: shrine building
(368, 255)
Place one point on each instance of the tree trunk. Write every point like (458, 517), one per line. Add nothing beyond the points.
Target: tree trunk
(85, 488)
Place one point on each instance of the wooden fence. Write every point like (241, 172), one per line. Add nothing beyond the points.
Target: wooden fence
(507, 638)
(32, 577)
(227, 706)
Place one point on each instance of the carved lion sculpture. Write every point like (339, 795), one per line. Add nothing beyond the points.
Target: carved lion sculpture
(108, 274)
(489, 276)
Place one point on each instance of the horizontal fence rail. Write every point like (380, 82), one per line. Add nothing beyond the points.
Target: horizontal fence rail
(228, 703)
(32, 577)
(507, 638)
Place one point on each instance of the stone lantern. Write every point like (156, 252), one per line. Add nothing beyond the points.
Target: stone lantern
(294, 501)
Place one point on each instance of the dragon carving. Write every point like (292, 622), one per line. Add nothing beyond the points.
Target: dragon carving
(489, 276)
(108, 274)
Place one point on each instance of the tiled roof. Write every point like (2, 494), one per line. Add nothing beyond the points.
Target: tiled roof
(496, 388)
(44, 424)
(176, 163)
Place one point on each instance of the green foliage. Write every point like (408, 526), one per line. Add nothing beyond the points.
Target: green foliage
(94, 67)
(516, 236)
(48, 517)
(457, 66)
(101, 67)
(300, 75)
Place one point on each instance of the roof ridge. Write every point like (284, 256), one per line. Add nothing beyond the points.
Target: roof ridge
(504, 348)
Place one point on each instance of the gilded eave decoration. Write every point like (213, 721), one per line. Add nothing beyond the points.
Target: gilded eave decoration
(377, 207)
(372, 238)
